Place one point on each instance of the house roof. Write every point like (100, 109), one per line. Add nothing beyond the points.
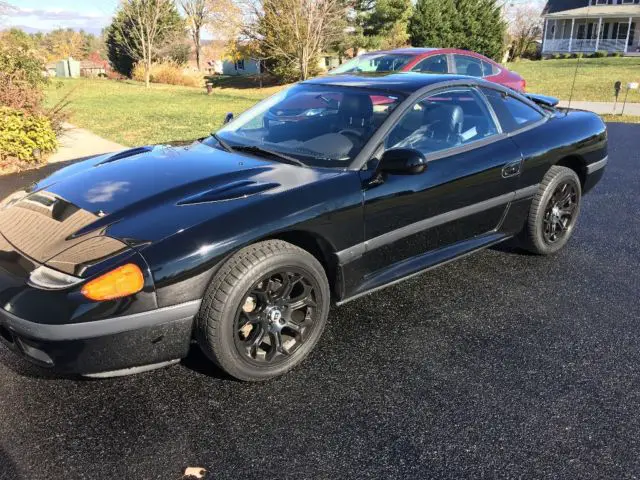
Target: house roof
(599, 11)
(92, 64)
(554, 6)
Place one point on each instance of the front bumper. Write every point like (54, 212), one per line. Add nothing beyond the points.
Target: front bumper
(109, 345)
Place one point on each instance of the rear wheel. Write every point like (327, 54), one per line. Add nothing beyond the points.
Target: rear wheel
(264, 311)
(554, 212)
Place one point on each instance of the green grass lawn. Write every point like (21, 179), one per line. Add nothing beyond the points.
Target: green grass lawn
(594, 81)
(130, 114)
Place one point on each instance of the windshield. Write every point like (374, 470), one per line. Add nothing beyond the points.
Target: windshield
(375, 62)
(319, 125)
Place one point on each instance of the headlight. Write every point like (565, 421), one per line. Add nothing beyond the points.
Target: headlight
(15, 197)
(50, 279)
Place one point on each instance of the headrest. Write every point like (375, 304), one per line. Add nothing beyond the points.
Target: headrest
(445, 120)
(358, 108)
(474, 70)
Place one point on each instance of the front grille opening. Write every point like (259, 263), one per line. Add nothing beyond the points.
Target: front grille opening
(6, 334)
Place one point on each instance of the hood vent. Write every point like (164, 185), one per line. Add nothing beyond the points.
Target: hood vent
(127, 153)
(229, 191)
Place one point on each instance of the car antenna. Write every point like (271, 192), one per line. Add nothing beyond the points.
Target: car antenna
(575, 75)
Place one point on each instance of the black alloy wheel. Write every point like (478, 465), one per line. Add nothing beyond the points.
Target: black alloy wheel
(264, 310)
(559, 216)
(554, 212)
(277, 316)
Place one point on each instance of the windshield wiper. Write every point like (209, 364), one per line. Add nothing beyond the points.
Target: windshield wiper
(269, 153)
(222, 143)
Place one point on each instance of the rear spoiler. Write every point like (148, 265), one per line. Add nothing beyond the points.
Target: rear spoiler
(542, 100)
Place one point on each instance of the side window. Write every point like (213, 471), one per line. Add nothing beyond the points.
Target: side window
(435, 64)
(468, 66)
(489, 69)
(512, 113)
(443, 120)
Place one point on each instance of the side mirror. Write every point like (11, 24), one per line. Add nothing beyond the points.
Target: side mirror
(403, 161)
(228, 117)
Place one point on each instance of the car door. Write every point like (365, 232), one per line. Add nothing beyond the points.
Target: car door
(470, 179)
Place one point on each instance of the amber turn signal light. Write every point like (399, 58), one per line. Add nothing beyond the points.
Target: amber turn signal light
(121, 282)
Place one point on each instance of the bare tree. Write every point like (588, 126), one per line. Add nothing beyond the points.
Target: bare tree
(218, 15)
(146, 25)
(295, 30)
(524, 25)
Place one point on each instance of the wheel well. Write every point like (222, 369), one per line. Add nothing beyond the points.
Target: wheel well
(319, 248)
(577, 165)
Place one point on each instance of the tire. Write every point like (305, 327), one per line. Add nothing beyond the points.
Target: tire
(548, 214)
(261, 344)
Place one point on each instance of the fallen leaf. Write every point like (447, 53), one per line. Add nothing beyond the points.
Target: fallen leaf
(195, 472)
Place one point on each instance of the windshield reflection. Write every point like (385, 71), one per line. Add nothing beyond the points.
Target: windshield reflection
(319, 125)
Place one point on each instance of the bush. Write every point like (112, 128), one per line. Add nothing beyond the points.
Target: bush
(21, 79)
(599, 54)
(565, 56)
(616, 54)
(23, 136)
(170, 73)
(554, 56)
(578, 55)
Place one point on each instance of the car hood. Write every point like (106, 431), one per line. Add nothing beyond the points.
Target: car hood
(69, 214)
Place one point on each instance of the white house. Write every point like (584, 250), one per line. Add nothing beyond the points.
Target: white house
(244, 66)
(584, 26)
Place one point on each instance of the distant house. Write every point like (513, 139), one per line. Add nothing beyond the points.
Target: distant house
(91, 68)
(584, 26)
(50, 69)
(243, 66)
(68, 68)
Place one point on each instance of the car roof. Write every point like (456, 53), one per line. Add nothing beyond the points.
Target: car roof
(416, 51)
(399, 82)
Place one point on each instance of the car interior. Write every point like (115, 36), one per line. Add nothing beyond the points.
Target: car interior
(441, 122)
(340, 130)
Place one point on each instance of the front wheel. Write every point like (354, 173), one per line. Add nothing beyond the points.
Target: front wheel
(264, 311)
(554, 212)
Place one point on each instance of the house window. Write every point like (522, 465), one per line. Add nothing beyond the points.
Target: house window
(240, 64)
(602, 2)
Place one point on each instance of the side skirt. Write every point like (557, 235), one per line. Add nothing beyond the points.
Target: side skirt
(417, 265)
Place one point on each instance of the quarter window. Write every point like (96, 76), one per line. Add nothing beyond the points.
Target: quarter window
(488, 69)
(442, 121)
(435, 64)
(512, 113)
(468, 66)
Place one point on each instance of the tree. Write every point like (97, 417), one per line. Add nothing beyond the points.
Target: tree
(219, 15)
(293, 33)
(476, 25)
(387, 22)
(64, 43)
(525, 27)
(138, 30)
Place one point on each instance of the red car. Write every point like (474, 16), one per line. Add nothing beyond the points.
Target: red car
(434, 60)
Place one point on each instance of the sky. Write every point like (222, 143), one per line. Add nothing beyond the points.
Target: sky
(45, 15)
(89, 15)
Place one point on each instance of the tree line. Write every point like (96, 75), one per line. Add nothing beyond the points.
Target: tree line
(289, 36)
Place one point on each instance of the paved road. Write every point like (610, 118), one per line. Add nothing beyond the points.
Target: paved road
(500, 365)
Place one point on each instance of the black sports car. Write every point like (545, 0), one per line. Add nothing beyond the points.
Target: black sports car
(241, 241)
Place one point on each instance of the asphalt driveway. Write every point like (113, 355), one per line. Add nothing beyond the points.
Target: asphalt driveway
(499, 365)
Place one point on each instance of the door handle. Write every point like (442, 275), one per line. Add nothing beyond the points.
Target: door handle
(511, 169)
